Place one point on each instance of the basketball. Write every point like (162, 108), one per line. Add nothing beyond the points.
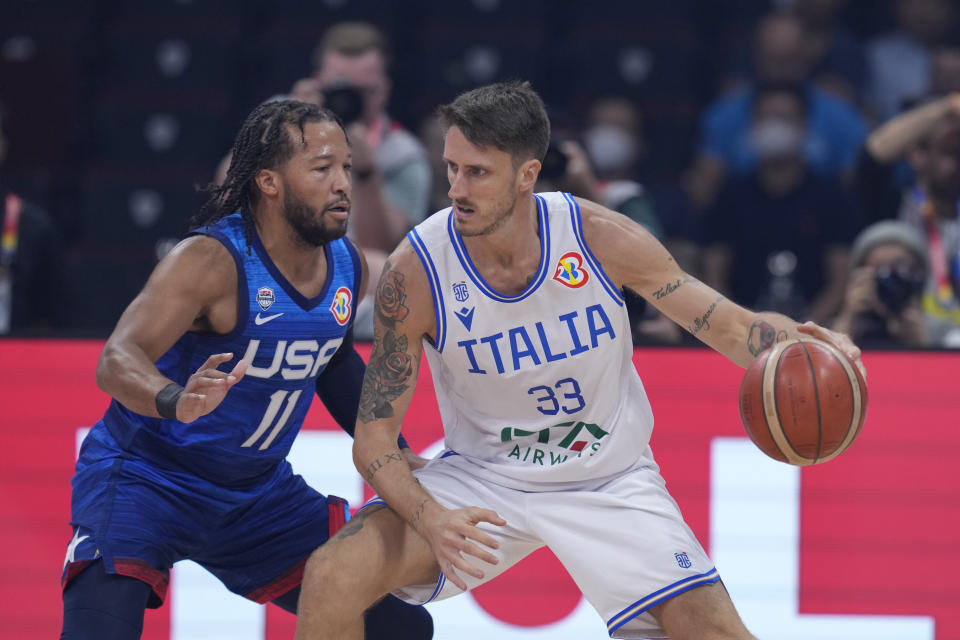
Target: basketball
(803, 402)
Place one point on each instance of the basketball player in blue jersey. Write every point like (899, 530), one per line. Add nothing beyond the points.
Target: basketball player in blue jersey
(189, 459)
(516, 300)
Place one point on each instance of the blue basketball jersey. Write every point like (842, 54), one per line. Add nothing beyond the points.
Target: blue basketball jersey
(287, 339)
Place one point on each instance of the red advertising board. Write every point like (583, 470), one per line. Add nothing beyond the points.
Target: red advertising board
(876, 541)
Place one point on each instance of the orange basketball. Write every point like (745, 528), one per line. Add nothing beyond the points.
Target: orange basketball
(803, 402)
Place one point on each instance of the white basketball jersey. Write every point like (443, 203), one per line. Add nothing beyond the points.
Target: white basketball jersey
(538, 388)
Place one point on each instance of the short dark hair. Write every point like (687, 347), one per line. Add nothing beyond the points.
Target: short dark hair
(264, 142)
(507, 115)
(352, 39)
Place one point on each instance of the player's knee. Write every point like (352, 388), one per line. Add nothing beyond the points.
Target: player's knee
(325, 575)
(704, 613)
(103, 606)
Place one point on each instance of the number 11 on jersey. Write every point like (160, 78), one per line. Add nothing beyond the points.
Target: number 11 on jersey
(276, 400)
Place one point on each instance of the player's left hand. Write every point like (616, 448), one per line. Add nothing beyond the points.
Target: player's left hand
(206, 388)
(840, 340)
(415, 461)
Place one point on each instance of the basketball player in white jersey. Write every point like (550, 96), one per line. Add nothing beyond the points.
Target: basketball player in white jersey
(516, 299)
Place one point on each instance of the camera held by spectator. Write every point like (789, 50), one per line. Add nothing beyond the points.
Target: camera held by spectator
(882, 306)
(345, 100)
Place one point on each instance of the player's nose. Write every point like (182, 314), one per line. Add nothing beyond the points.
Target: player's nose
(457, 189)
(341, 182)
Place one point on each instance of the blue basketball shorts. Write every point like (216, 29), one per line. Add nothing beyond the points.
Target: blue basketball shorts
(141, 518)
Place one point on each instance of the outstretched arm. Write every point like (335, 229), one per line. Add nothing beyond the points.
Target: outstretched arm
(635, 259)
(403, 316)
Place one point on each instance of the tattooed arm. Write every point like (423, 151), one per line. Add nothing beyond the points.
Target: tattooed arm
(403, 316)
(634, 259)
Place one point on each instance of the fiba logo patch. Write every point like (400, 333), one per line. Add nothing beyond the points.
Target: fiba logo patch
(340, 307)
(460, 291)
(265, 297)
(683, 560)
(570, 271)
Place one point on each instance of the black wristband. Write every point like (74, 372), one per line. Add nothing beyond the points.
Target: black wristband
(167, 400)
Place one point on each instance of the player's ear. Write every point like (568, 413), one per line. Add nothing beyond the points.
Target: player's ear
(528, 173)
(268, 182)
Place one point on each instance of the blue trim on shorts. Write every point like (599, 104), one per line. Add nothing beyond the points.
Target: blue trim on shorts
(657, 597)
(441, 581)
(371, 501)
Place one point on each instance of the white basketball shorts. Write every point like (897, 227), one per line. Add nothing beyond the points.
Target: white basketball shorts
(623, 540)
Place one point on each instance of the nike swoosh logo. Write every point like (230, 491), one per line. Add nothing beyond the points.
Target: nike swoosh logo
(265, 319)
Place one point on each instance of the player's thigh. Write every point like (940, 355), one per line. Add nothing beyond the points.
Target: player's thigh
(124, 512)
(259, 552)
(703, 613)
(373, 554)
(454, 488)
(626, 546)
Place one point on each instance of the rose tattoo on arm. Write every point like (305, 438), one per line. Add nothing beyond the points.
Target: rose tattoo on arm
(391, 296)
(391, 366)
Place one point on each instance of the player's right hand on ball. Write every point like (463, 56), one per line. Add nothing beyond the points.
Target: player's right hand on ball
(206, 389)
(454, 532)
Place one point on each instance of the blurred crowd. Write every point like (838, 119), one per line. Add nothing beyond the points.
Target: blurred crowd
(801, 156)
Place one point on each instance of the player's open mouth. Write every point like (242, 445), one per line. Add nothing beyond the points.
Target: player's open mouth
(341, 211)
(462, 211)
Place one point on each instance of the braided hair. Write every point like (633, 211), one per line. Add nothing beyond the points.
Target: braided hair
(263, 142)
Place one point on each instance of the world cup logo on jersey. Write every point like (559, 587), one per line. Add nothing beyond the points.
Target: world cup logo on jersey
(570, 271)
(340, 307)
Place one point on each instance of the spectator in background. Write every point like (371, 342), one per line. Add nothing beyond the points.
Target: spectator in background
(928, 136)
(882, 175)
(31, 263)
(833, 133)
(777, 238)
(882, 307)
(899, 62)
(838, 65)
(945, 68)
(391, 173)
(614, 144)
(603, 169)
(431, 136)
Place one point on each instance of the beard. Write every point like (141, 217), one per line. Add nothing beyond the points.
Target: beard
(501, 211)
(308, 226)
